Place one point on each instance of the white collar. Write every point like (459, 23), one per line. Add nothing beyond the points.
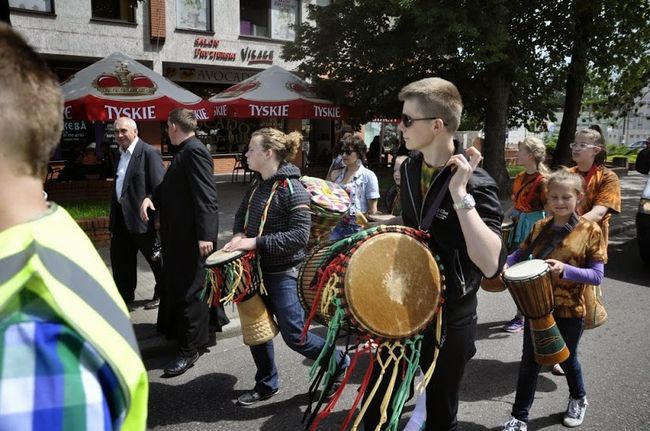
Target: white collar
(131, 147)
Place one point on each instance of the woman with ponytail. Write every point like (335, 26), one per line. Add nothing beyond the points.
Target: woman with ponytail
(274, 219)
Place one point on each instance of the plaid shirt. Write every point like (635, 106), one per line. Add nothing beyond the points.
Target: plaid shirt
(50, 377)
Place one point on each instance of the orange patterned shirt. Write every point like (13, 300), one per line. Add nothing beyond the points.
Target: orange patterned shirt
(528, 192)
(584, 244)
(604, 189)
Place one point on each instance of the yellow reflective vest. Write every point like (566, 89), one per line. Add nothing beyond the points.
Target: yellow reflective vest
(78, 287)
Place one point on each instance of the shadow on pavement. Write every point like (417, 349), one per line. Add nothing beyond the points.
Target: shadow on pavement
(211, 399)
(493, 379)
(626, 265)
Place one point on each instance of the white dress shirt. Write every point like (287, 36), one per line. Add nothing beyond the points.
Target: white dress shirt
(125, 157)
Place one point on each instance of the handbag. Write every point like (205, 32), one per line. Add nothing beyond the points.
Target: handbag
(595, 313)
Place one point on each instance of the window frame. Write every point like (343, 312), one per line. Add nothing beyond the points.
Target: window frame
(32, 11)
(270, 24)
(209, 25)
(126, 22)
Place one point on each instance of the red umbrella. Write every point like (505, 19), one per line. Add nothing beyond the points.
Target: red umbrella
(118, 86)
(274, 93)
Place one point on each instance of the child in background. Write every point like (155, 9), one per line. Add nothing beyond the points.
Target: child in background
(577, 261)
(528, 201)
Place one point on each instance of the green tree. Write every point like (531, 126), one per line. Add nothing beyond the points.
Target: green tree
(499, 53)
(610, 55)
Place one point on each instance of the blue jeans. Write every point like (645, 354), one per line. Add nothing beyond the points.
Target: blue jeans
(282, 301)
(344, 230)
(571, 330)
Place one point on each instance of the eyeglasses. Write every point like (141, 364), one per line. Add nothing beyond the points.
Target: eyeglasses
(408, 121)
(580, 146)
(348, 151)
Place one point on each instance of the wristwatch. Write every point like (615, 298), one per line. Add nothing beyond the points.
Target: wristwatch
(467, 202)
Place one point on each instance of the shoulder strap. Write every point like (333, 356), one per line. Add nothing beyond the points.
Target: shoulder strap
(428, 218)
(557, 239)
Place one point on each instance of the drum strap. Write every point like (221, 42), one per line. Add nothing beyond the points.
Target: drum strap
(557, 239)
(428, 219)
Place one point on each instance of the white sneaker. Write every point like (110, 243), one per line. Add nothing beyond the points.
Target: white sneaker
(515, 424)
(575, 412)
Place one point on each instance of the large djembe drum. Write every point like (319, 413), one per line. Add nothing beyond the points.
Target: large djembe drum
(386, 279)
(383, 285)
(329, 204)
(529, 283)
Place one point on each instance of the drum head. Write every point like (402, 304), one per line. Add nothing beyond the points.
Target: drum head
(327, 195)
(221, 257)
(526, 269)
(392, 285)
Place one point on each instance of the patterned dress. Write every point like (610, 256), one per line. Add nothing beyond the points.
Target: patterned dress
(528, 197)
(585, 244)
(603, 188)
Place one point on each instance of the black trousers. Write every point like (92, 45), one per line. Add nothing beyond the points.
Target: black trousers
(442, 390)
(124, 250)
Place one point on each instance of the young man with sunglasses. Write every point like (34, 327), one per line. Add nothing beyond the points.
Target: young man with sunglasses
(445, 193)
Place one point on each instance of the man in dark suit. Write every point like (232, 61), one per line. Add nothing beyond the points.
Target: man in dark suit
(189, 222)
(139, 171)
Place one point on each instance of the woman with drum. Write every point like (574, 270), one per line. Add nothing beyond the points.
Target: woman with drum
(528, 201)
(362, 186)
(574, 249)
(274, 220)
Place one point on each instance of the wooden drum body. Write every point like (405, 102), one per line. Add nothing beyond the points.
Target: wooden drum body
(386, 278)
(329, 204)
(508, 232)
(529, 283)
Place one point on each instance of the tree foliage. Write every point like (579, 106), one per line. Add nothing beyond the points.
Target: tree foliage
(508, 58)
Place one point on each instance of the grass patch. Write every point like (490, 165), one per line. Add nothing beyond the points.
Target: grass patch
(81, 210)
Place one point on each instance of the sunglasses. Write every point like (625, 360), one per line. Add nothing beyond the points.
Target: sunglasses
(348, 151)
(575, 146)
(408, 121)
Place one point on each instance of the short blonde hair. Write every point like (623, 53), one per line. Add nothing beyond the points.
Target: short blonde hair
(436, 97)
(565, 177)
(285, 146)
(31, 106)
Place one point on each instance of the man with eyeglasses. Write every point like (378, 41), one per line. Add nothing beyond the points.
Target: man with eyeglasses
(445, 193)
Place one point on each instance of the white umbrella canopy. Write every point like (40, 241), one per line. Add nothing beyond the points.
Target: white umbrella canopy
(118, 86)
(274, 93)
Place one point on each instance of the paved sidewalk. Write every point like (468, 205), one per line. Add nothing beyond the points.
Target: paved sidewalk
(230, 195)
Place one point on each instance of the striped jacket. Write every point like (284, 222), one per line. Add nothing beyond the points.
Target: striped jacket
(283, 241)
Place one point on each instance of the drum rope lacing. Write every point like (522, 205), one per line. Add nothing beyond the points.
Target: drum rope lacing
(326, 282)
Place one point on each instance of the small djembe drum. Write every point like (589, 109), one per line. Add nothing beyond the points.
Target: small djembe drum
(329, 204)
(234, 277)
(529, 283)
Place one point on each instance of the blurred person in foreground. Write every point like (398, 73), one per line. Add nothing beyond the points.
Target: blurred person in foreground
(70, 359)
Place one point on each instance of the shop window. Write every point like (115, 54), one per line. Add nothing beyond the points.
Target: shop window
(44, 6)
(273, 19)
(194, 15)
(118, 10)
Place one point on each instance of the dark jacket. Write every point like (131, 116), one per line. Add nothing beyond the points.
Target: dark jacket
(283, 242)
(143, 175)
(462, 277)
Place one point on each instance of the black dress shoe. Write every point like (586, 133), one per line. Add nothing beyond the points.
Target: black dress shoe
(180, 364)
(152, 305)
